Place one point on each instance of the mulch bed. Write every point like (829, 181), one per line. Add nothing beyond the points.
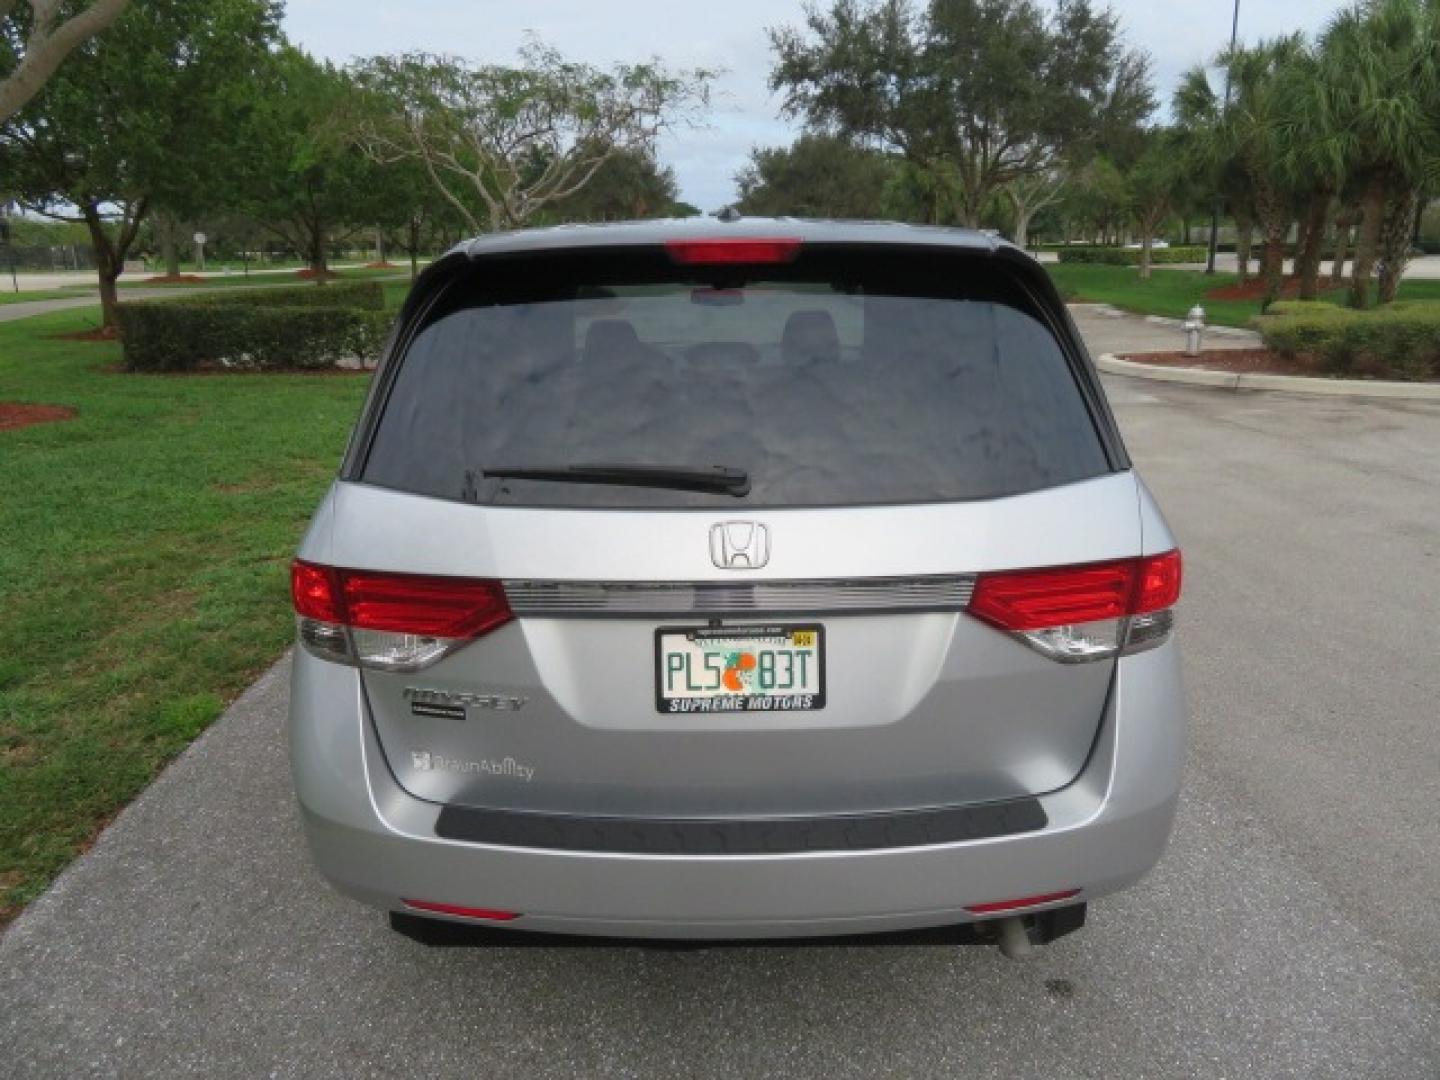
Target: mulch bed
(175, 279)
(1254, 289)
(381, 266)
(18, 416)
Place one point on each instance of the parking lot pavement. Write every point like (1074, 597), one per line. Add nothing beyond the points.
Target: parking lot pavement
(1291, 930)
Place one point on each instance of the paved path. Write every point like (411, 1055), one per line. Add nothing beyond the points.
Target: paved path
(1110, 330)
(1291, 931)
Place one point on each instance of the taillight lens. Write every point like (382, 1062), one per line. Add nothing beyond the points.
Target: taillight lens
(393, 622)
(733, 252)
(1088, 612)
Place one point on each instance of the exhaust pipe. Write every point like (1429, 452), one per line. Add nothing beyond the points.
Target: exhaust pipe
(1014, 938)
(1020, 936)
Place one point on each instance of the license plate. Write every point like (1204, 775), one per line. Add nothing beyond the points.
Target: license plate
(714, 669)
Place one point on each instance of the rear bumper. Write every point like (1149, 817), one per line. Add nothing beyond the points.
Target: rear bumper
(375, 842)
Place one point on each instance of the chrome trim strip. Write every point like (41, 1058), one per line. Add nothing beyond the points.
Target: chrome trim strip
(946, 592)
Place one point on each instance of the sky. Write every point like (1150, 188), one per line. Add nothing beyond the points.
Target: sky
(728, 34)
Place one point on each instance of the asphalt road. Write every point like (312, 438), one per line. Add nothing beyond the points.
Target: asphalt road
(1293, 929)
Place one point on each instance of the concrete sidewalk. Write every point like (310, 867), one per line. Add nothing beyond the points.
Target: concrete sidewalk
(1110, 330)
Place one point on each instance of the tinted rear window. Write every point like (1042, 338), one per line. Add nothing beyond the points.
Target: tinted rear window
(840, 379)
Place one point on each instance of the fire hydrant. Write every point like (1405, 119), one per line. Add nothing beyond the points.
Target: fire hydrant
(1194, 330)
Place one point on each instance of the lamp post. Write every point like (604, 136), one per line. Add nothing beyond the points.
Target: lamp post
(1215, 206)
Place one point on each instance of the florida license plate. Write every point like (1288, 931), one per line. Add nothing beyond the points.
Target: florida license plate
(776, 668)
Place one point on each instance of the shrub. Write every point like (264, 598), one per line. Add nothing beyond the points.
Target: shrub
(1124, 256)
(181, 336)
(296, 326)
(1397, 341)
(369, 295)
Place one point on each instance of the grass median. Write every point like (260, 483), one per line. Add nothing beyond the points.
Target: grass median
(143, 554)
(1172, 292)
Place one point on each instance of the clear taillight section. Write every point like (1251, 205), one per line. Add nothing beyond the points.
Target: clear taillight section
(391, 622)
(1074, 614)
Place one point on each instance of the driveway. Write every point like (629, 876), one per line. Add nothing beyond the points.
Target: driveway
(1291, 931)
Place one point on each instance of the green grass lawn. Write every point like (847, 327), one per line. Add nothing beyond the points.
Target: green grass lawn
(1172, 292)
(8, 297)
(240, 280)
(143, 555)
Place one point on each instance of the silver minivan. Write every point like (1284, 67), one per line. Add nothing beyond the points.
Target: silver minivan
(736, 579)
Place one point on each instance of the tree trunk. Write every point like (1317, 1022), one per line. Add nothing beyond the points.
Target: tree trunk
(108, 264)
(1145, 256)
(1022, 226)
(167, 228)
(1307, 255)
(1367, 241)
(1244, 233)
(317, 258)
(1344, 222)
(1395, 238)
(1273, 265)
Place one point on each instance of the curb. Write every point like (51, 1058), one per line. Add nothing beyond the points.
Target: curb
(1294, 384)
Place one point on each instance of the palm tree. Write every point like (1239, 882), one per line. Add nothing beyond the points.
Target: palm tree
(1251, 133)
(1312, 158)
(1381, 64)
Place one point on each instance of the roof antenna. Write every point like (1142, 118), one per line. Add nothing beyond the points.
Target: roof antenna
(728, 214)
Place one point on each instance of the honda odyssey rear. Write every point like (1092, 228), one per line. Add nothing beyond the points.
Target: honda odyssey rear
(736, 579)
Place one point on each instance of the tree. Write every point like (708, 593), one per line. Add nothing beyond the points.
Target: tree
(409, 214)
(917, 193)
(1098, 199)
(1249, 135)
(36, 39)
(1308, 139)
(630, 185)
(142, 115)
(817, 176)
(1152, 184)
(1029, 195)
(995, 90)
(1381, 66)
(480, 130)
(303, 178)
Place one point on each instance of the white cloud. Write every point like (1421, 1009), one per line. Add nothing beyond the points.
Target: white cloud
(730, 35)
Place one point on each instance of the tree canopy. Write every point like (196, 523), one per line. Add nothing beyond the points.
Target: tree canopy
(140, 116)
(502, 143)
(995, 90)
(819, 176)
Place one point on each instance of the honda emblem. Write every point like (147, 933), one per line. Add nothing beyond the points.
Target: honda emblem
(739, 545)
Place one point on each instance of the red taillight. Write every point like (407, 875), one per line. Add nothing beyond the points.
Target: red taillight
(1157, 585)
(1036, 599)
(442, 607)
(996, 906)
(427, 606)
(725, 252)
(489, 914)
(315, 592)
(1067, 595)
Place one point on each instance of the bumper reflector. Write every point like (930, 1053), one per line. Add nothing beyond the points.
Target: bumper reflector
(488, 914)
(997, 906)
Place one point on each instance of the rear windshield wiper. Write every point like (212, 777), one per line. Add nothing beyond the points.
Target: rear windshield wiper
(707, 478)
